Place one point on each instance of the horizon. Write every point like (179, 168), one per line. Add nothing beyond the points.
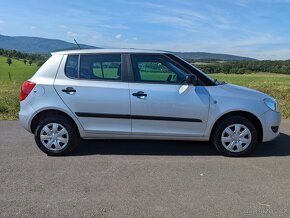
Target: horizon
(250, 29)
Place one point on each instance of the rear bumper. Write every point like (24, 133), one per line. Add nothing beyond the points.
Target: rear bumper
(25, 115)
(270, 121)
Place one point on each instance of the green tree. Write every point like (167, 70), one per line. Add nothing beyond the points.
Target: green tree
(9, 61)
(40, 63)
(30, 62)
(25, 61)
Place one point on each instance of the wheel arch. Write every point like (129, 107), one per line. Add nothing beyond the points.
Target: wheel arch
(50, 112)
(250, 116)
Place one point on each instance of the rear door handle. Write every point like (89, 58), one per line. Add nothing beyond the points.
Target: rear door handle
(140, 94)
(69, 90)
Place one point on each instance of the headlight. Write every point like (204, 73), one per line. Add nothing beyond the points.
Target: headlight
(272, 104)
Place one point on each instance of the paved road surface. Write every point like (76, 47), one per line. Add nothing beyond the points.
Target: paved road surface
(106, 178)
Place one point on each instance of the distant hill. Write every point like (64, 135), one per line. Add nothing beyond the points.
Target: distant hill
(42, 45)
(208, 56)
(36, 44)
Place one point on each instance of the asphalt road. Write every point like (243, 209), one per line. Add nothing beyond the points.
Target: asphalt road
(107, 178)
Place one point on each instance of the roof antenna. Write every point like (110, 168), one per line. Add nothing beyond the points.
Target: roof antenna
(77, 44)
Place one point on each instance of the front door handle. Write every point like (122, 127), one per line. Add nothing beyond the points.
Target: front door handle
(69, 90)
(140, 94)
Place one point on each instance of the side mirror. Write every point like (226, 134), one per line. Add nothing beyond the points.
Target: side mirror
(191, 79)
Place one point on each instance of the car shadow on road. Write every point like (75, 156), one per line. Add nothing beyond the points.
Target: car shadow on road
(278, 147)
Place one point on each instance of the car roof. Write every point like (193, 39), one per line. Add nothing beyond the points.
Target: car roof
(107, 51)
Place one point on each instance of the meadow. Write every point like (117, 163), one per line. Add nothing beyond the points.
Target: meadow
(9, 90)
(276, 85)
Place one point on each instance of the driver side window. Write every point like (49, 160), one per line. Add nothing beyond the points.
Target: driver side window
(156, 69)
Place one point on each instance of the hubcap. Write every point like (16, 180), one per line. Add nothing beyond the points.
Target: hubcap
(236, 138)
(54, 136)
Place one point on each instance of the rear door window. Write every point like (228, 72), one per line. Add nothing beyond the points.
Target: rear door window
(100, 67)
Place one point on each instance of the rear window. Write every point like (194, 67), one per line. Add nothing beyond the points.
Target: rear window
(94, 67)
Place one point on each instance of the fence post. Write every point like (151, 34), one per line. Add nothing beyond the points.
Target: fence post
(9, 75)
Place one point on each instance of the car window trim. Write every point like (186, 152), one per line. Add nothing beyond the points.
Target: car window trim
(124, 67)
(79, 65)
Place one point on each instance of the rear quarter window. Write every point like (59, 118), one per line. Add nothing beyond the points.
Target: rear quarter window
(71, 67)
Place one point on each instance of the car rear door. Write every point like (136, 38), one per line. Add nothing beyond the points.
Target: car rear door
(95, 88)
(160, 104)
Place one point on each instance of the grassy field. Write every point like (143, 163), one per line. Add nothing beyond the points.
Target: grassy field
(9, 90)
(276, 85)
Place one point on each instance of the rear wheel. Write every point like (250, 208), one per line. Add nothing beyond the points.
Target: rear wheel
(235, 136)
(56, 136)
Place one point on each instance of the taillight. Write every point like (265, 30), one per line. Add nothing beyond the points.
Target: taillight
(26, 88)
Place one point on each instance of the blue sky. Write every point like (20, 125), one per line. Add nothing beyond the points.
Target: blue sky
(259, 29)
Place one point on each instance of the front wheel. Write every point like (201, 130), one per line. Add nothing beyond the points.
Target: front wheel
(56, 136)
(235, 136)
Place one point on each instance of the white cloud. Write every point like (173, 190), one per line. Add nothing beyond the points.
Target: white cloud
(118, 36)
(112, 26)
(62, 26)
(262, 39)
(95, 39)
(275, 54)
(72, 34)
(96, 36)
(179, 22)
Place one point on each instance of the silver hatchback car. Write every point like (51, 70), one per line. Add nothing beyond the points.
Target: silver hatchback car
(137, 94)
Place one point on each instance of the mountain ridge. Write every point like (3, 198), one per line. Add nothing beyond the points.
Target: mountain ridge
(30, 44)
(41, 45)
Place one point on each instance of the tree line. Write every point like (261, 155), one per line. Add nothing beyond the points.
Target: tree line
(9, 62)
(29, 58)
(208, 66)
(242, 67)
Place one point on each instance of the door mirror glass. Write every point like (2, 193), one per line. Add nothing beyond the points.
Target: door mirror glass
(191, 79)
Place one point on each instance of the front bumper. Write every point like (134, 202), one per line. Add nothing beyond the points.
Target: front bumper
(270, 121)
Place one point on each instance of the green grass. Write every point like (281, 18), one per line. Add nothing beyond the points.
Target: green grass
(276, 85)
(9, 90)
(18, 70)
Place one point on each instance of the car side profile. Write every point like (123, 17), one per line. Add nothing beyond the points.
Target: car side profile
(140, 94)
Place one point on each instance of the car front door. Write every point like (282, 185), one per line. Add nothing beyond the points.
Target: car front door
(161, 103)
(95, 89)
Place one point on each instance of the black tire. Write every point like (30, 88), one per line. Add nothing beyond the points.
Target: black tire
(72, 134)
(226, 122)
